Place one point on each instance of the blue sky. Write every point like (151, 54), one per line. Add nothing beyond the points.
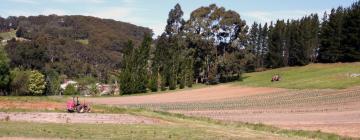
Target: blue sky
(153, 13)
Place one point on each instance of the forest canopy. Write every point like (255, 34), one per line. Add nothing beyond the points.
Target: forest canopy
(76, 46)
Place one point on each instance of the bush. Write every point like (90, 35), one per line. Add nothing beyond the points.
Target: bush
(71, 90)
(4, 72)
(52, 83)
(94, 91)
(153, 83)
(19, 82)
(36, 83)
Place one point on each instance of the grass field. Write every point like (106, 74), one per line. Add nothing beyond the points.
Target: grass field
(8, 35)
(83, 41)
(104, 131)
(313, 76)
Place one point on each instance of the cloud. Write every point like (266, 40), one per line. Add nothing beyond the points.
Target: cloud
(54, 11)
(112, 13)
(17, 13)
(268, 16)
(158, 28)
(24, 1)
(80, 1)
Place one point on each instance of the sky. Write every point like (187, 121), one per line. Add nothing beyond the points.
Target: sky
(154, 13)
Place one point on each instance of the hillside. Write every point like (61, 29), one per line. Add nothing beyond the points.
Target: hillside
(8, 35)
(75, 46)
(313, 76)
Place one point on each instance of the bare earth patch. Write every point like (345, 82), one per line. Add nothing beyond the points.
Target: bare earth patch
(328, 110)
(90, 118)
(23, 138)
(40, 105)
(196, 95)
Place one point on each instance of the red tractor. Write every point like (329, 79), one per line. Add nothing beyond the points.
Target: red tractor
(276, 78)
(75, 106)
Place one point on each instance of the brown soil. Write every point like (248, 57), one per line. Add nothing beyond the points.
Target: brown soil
(41, 105)
(345, 123)
(23, 138)
(334, 111)
(90, 118)
(196, 95)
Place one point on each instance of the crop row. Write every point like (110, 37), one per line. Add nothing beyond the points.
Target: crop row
(295, 98)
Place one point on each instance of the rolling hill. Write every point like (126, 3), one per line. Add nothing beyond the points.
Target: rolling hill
(75, 46)
(313, 76)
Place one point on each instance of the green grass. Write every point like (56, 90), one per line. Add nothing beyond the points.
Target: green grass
(83, 41)
(8, 35)
(313, 76)
(104, 131)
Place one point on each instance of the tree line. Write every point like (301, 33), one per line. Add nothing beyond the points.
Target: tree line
(215, 45)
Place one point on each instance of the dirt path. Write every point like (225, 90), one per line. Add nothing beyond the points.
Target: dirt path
(195, 95)
(90, 118)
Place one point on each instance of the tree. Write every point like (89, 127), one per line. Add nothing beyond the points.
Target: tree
(264, 44)
(36, 83)
(153, 82)
(85, 84)
(296, 50)
(134, 73)
(253, 48)
(125, 78)
(142, 55)
(71, 90)
(4, 72)
(175, 21)
(189, 72)
(330, 50)
(213, 31)
(170, 52)
(276, 45)
(19, 82)
(351, 33)
(94, 91)
(52, 83)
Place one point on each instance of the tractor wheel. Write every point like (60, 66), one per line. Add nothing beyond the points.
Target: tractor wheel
(79, 109)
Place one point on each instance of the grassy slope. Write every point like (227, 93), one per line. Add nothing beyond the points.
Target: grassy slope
(8, 35)
(313, 76)
(104, 131)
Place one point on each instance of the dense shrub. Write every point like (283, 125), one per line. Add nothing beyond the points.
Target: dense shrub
(19, 82)
(71, 90)
(36, 84)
